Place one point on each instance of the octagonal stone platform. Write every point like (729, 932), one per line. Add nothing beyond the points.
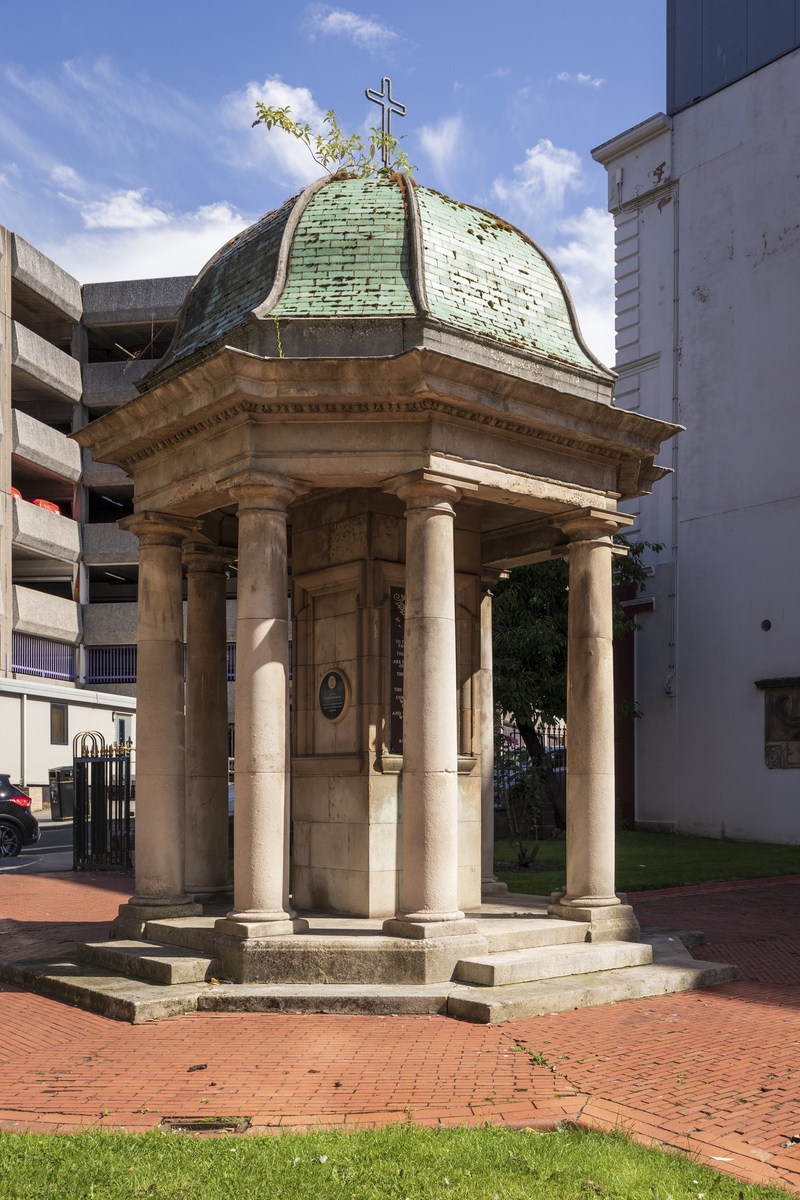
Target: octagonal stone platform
(521, 963)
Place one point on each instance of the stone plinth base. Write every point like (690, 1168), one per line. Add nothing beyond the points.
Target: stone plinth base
(137, 1000)
(403, 927)
(132, 918)
(493, 887)
(607, 923)
(363, 960)
(260, 930)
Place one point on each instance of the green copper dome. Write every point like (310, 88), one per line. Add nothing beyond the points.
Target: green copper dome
(383, 251)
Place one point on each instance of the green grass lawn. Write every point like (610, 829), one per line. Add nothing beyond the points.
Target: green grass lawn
(656, 860)
(399, 1163)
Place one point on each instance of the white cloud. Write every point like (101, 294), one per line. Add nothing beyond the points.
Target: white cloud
(273, 151)
(66, 177)
(364, 32)
(123, 210)
(443, 143)
(541, 182)
(584, 254)
(115, 246)
(583, 80)
(581, 244)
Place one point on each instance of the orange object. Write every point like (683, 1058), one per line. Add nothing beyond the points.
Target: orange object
(48, 504)
(16, 492)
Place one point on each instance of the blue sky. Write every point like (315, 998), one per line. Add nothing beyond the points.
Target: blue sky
(126, 147)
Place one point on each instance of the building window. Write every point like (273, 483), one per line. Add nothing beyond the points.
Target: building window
(59, 733)
(123, 725)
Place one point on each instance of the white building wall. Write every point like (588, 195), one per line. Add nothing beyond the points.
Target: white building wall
(708, 275)
(26, 752)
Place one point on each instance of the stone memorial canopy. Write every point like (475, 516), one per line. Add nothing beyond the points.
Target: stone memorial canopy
(398, 382)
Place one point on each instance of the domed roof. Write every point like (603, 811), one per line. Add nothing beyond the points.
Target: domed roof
(380, 248)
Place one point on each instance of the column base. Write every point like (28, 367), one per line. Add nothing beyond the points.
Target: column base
(133, 917)
(607, 922)
(409, 927)
(491, 886)
(208, 895)
(240, 926)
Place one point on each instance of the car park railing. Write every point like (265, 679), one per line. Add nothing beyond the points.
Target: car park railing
(117, 664)
(32, 655)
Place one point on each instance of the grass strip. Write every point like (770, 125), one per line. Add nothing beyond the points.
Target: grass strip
(398, 1163)
(658, 860)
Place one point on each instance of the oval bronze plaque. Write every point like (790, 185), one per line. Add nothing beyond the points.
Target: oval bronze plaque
(333, 695)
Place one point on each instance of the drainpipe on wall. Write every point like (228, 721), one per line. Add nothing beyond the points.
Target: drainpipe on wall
(23, 739)
(670, 683)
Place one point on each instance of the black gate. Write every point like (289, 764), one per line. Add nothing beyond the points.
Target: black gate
(102, 827)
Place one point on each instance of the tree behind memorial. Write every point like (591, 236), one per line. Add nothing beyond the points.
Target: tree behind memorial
(529, 620)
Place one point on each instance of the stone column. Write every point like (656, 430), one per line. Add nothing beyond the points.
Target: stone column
(429, 888)
(590, 891)
(490, 884)
(206, 854)
(160, 890)
(261, 793)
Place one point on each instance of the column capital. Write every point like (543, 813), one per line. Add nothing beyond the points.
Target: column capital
(591, 524)
(421, 489)
(262, 490)
(160, 528)
(200, 555)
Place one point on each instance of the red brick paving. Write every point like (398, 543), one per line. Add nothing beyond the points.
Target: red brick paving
(715, 1073)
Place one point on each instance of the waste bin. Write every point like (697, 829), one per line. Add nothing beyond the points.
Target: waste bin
(62, 793)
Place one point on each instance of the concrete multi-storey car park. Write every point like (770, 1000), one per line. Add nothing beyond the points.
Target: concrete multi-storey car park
(67, 572)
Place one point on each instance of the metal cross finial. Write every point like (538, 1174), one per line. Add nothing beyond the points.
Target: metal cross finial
(388, 108)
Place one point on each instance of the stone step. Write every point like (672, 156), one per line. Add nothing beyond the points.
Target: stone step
(138, 1000)
(673, 970)
(501, 933)
(146, 960)
(551, 962)
(192, 933)
(519, 933)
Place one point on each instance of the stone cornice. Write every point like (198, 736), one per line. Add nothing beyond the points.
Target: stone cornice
(426, 406)
(236, 385)
(631, 139)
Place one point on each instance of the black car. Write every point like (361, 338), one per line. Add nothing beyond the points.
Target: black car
(18, 826)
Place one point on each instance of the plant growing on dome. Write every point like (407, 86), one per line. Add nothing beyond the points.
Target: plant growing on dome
(335, 152)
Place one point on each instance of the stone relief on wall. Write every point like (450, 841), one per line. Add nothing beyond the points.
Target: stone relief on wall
(782, 722)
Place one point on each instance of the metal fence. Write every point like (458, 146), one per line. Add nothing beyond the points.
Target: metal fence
(117, 664)
(103, 824)
(31, 655)
(111, 664)
(530, 792)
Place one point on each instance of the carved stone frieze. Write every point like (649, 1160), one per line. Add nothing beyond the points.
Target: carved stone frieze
(368, 408)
